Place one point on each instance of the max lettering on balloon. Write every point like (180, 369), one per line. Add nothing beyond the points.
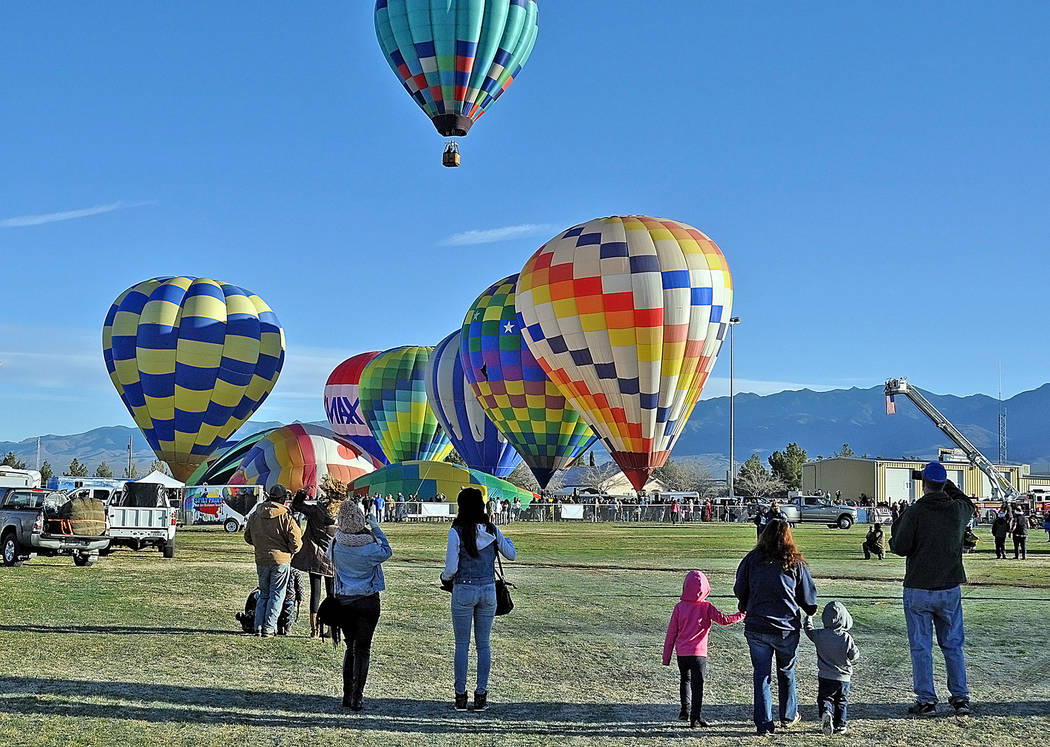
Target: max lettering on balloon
(343, 410)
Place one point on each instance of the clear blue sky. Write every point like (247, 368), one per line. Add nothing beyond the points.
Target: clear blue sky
(876, 174)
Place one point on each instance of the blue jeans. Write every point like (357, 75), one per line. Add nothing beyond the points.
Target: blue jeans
(764, 647)
(273, 582)
(940, 611)
(473, 603)
(833, 695)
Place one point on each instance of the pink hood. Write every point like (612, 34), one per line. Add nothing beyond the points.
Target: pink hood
(696, 587)
(692, 618)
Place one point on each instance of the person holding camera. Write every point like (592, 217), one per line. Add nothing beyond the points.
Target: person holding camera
(930, 536)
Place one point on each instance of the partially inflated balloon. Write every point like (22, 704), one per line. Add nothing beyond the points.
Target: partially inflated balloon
(514, 391)
(627, 315)
(456, 406)
(192, 358)
(455, 57)
(298, 456)
(343, 408)
(221, 465)
(394, 402)
(426, 480)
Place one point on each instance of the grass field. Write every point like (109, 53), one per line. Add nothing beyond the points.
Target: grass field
(141, 649)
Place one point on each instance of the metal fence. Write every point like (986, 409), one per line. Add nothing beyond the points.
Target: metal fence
(564, 511)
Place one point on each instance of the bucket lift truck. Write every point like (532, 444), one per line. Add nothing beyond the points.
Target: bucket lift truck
(1002, 488)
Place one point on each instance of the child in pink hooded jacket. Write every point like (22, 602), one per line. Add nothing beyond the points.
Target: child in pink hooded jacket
(687, 635)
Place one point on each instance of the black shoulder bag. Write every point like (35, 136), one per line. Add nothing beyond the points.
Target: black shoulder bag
(504, 604)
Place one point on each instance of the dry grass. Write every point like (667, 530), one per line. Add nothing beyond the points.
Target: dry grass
(139, 649)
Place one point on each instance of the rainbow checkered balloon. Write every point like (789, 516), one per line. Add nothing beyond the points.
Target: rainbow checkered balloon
(514, 391)
(393, 396)
(456, 57)
(298, 456)
(627, 315)
(192, 359)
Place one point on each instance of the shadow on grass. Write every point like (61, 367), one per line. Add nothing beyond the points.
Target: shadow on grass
(157, 703)
(118, 630)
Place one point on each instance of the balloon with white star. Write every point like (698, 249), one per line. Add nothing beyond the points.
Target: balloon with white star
(514, 391)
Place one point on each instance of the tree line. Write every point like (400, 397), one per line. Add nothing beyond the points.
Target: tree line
(78, 468)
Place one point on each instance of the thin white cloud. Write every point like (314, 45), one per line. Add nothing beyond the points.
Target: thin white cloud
(23, 221)
(492, 235)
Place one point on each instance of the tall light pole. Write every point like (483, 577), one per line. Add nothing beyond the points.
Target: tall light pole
(733, 321)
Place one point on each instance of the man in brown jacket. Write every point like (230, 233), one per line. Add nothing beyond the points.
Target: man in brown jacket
(276, 537)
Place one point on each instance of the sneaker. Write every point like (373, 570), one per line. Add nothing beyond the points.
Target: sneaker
(700, 721)
(923, 710)
(683, 715)
(841, 729)
(826, 725)
(461, 701)
(792, 722)
(961, 706)
(481, 701)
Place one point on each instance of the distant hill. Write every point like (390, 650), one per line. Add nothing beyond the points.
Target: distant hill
(822, 421)
(819, 421)
(108, 444)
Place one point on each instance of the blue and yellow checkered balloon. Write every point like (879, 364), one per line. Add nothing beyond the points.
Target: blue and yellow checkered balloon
(192, 359)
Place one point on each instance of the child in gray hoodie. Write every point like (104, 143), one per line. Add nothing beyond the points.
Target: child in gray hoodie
(836, 653)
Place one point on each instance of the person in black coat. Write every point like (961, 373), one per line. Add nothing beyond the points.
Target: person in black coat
(313, 557)
(1000, 528)
(1019, 529)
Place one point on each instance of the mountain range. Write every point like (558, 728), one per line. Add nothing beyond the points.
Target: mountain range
(821, 422)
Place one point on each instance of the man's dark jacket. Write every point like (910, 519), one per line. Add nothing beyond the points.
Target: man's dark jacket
(930, 535)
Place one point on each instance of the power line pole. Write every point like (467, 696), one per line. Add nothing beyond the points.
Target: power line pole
(131, 456)
(1002, 419)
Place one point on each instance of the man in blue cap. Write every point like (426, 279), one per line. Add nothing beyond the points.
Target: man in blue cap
(930, 536)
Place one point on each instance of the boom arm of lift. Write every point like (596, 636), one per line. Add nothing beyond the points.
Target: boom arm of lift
(1002, 489)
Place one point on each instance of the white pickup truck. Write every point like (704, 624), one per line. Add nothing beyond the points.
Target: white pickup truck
(139, 515)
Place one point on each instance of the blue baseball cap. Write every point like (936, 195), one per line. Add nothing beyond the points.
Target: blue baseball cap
(934, 472)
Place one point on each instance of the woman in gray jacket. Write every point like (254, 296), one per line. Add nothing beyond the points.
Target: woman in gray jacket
(470, 566)
(357, 553)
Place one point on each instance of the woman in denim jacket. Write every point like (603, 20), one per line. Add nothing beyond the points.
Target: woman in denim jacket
(357, 553)
(470, 566)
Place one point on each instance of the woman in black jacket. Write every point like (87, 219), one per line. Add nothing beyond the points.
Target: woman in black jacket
(313, 557)
(772, 585)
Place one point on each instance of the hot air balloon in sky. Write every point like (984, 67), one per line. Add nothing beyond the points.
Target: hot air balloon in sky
(627, 315)
(455, 57)
(456, 406)
(394, 402)
(192, 358)
(514, 391)
(343, 408)
(300, 455)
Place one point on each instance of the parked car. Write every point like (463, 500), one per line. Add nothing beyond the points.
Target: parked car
(30, 525)
(812, 509)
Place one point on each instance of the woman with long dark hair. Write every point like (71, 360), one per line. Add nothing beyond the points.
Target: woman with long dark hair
(470, 566)
(313, 556)
(772, 585)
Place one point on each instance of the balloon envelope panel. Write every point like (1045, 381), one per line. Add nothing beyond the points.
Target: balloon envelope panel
(343, 407)
(426, 480)
(627, 315)
(192, 359)
(298, 456)
(393, 399)
(220, 466)
(456, 406)
(456, 57)
(515, 392)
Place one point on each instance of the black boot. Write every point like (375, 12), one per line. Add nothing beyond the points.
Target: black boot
(348, 678)
(361, 656)
(683, 715)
